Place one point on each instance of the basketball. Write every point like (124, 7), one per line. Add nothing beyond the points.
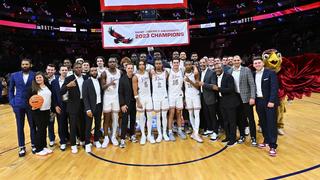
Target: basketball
(36, 101)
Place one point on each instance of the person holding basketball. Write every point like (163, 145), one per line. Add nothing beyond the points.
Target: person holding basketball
(40, 100)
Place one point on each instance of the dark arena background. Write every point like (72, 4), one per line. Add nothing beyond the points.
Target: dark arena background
(80, 129)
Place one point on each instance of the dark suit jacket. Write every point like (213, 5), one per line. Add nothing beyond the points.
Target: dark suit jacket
(56, 92)
(18, 89)
(269, 86)
(74, 102)
(125, 91)
(89, 95)
(229, 97)
(209, 80)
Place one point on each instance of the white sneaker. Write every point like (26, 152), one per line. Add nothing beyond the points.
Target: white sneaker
(42, 153)
(98, 144)
(74, 149)
(122, 143)
(63, 147)
(213, 137)
(151, 139)
(281, 131)
(133, 139)
(51, 143)
(247, 131)
(114, 141)
(49, 151)
(88, 148)
(143, 139)
(197, 138)
(82, 143)
(207, 133)
(105, 142)
(159, 138)
(165, 137)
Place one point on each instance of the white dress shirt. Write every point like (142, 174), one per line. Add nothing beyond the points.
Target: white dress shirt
(219, 82)
(51, 79)
(259, 82)
(61, 81)
(65, 96)
(236, 77)
(97, 89)
(25, 77)
(69, 73)
(80, 82)
(203, 74)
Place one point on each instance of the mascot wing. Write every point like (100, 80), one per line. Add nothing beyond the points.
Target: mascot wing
(299, 76)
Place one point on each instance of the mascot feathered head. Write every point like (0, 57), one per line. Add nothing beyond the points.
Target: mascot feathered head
(272, 59)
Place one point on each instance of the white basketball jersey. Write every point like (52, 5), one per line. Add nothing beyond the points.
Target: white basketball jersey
(175, 83)
(143, 85)
(112, 90)
(100, 71)
(159, 86)
(190, 90)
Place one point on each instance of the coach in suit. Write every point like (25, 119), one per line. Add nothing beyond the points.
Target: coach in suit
(60, 106)
(75, 107)
(208, 100)
(246, 89)
(127, 104)
(266, 103)
(19, 83)
(228, 102)
(92, 93)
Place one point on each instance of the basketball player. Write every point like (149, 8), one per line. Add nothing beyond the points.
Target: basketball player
(175, 98)
(110, 83)
(160, 98)
(192, 98)
(142, 94)
(100, 64)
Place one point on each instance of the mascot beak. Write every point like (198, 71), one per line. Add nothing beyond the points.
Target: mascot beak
(273, 59)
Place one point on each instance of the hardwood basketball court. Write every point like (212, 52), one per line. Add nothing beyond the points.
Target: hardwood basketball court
(298, 149)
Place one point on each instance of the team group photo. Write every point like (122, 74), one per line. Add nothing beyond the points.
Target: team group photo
(177, 89)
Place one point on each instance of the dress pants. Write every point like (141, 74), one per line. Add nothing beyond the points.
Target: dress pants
(41, 121)
(268, 122)
(131, 113)
(97, 124)
(77, 125)
(229, 119)
(245, 113)
(62, 124)
(20, 120)
(209, 116)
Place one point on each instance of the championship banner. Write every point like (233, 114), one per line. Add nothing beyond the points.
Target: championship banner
(125, 5)
(117, 35)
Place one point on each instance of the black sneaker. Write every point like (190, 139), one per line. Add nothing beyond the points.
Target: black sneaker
(254, 142)
(225, 140)
(241, 139)
(33, 149)
(230, 143)
(22, 151)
